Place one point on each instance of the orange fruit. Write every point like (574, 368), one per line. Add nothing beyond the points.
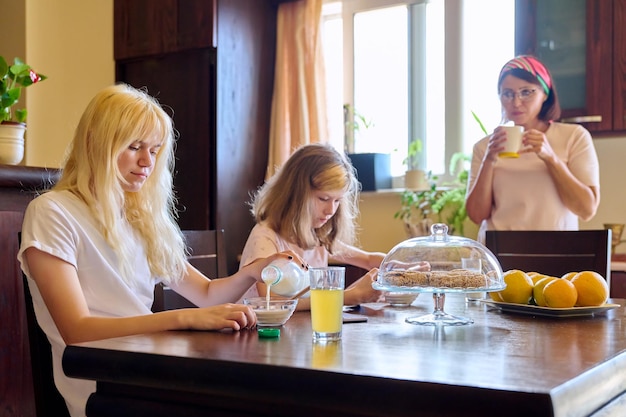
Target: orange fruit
(569, 275)
(519, 287)
(560, 293)
(592, 288)
(495, 296)
(538, 290)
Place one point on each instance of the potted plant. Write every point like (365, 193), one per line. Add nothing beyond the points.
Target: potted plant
(416, 208)
(444, 204)
(415, 178)
(13, 78)
(373, 170)
(419, 209)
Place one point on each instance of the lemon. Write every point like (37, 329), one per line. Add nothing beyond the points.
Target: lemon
(592, 288)
(538, 290)
(519, 287)
(495, 296)
(560, 293)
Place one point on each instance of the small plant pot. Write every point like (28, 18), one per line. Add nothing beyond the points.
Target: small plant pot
(419, 228)
(11, 143)
(416, 179)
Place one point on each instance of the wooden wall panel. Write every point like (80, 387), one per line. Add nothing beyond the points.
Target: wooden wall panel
(18, 186)
(246, 44)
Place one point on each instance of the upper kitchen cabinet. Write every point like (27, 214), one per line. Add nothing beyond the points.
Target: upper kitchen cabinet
(583, 43)
(174, 25)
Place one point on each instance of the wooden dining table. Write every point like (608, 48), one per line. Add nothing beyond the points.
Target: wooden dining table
(504, 364)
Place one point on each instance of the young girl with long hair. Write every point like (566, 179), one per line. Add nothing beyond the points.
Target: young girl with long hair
(94, 246)
(309, 207)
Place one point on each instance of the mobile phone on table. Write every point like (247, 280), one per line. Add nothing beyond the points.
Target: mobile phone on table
(354, 318)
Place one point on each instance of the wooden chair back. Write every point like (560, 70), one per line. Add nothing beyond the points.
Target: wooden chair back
(207, 254)
(552, 252)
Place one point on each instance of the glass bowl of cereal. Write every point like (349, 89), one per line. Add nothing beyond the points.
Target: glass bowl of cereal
(273, 312)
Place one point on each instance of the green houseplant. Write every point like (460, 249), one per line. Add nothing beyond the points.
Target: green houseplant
(415, 177)
(13, 78)
(419, 209)
(413, 158)
(446, 203)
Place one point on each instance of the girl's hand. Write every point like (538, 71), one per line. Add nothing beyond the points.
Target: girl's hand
(223, 316)
(362, 291)
(408, 266)
(255, 267)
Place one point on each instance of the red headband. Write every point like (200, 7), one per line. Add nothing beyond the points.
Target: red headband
(531, 65)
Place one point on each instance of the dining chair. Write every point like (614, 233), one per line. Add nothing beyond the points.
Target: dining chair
(552, 252)
(48, 400)
(207, 254)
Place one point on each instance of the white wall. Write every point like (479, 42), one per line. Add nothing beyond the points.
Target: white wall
(71, 42)
(612, 156)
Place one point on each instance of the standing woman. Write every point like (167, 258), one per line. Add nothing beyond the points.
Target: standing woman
(554, 182)
(94, 246)
(309, 207)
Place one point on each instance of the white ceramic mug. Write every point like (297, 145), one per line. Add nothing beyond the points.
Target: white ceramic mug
(513, 141)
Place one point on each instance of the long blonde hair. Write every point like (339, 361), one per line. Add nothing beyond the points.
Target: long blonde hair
(115, 118)
(284, 202)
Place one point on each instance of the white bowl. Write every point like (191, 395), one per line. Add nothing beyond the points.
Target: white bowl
(276, 314)
(400, 299)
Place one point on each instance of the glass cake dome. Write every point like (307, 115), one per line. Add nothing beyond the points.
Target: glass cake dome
(440, 264)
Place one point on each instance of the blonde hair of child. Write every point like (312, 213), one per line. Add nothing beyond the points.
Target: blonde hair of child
(284, 202)
(115, 118)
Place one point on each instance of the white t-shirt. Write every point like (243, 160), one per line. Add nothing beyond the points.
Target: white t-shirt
(525, 196)
(58, 223)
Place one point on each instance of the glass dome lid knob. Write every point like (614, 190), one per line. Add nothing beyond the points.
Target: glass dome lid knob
(439, 232)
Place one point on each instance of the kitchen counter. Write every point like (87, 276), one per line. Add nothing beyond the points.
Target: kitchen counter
(503, 364)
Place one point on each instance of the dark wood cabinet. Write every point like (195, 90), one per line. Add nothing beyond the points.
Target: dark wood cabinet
(212, 63)
(583, 43)
(152, 27)
(185, 83)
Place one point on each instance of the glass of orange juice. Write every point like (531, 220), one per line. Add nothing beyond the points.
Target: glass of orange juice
(327, 285)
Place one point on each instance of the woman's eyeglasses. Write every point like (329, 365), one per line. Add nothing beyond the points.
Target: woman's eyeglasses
(524, 95)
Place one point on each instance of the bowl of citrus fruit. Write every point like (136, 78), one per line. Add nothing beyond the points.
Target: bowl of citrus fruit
(584, 292)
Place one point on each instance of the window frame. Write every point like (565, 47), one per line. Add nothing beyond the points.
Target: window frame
(458, 115)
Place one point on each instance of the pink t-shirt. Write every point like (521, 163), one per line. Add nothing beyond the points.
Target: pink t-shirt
(525, 196)
(264, 242)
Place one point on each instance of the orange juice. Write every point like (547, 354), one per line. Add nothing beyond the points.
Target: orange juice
(327, 310)
(326, 355)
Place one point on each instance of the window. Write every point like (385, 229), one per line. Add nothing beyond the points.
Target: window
(414, 70)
